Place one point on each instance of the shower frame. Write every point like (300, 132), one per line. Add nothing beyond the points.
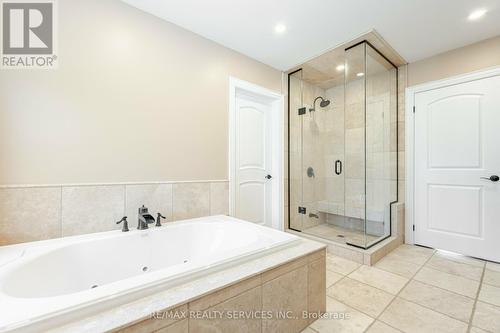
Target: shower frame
(366, 42)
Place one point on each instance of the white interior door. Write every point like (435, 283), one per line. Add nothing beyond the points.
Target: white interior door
(457, 137)
(253, 143)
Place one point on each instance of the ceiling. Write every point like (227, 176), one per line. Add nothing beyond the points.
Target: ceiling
(416, 29)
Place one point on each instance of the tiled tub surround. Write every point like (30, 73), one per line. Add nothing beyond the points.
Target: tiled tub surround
(292, 279)
(296, 286)
(44, 212)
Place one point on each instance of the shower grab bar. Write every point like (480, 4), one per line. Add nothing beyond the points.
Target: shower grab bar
(338, 167)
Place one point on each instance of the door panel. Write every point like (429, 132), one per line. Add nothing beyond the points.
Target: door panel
(456, 143)
(253, 197)
(446, 135)
(455, 209)
(252, 136)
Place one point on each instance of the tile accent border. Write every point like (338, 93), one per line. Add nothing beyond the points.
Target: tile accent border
(38, 212)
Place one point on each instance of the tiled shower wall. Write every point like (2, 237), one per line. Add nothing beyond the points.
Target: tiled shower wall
(44, 212)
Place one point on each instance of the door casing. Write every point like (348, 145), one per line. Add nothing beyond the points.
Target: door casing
(277, 149)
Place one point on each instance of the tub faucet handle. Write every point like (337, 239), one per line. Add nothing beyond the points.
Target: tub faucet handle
(125, 224)
(158, 220)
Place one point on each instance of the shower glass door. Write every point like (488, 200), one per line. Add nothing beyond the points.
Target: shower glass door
(307, 126)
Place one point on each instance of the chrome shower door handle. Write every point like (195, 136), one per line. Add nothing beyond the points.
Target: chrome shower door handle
(338, 167)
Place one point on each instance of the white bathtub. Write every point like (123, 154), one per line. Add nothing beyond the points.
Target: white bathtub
(65, 279)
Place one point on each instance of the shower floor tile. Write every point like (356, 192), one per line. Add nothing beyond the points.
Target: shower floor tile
(340, 234)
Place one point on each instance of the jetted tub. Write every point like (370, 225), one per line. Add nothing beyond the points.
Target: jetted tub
(69, 278)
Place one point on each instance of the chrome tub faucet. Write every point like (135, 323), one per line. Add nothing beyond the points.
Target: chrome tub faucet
(144, 218)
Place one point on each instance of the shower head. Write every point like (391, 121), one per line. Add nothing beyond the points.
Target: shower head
(324, 103)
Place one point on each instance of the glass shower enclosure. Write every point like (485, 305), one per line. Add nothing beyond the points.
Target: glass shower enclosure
(342, 146)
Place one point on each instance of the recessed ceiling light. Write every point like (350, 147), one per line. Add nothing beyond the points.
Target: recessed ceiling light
(477, 14)
(280, 28)
(360, 74)
(340, 68)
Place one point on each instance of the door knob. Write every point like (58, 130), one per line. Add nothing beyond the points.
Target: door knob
(493, 178)
(269, 177)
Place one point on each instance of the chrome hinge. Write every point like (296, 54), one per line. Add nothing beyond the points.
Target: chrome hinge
(413, 109)
(413, 227)
(302, 210)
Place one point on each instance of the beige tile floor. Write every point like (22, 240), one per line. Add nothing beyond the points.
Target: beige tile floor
(413, 289)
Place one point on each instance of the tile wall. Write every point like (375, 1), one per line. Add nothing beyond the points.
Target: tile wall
(37, 213)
